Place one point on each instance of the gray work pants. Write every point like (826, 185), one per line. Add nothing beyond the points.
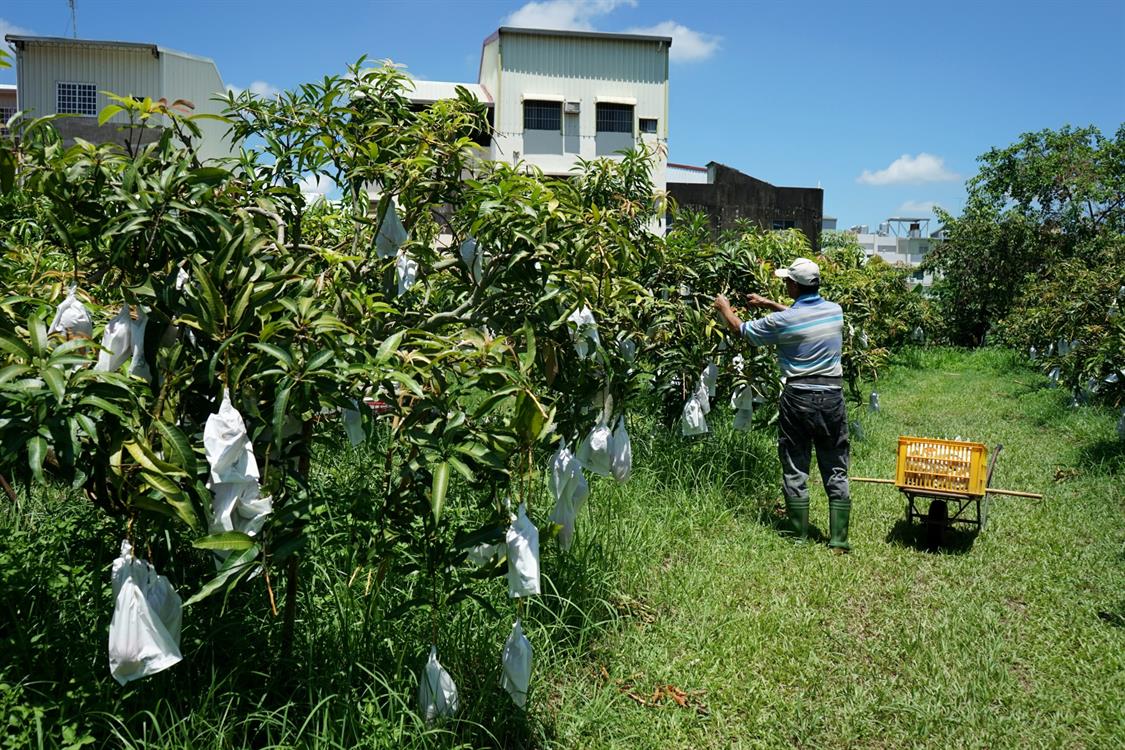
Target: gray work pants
(813, 417)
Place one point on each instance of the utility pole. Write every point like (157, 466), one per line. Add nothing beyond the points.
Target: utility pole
(73, 16)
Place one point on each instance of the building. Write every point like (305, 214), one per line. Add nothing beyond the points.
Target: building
(828, 223)
(8, 102)
(900, 240)
(69, 76)
(559, 96)
(728, 196)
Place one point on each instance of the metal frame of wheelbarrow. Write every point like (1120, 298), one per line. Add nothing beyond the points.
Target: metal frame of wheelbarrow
(938, 515)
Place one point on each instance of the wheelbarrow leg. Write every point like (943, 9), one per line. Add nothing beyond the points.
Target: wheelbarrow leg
(985, 503)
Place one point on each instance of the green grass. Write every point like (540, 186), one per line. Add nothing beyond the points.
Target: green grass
(1013, 639)
(679, 578)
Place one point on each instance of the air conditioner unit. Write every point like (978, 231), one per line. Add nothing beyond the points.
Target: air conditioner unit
(572, 108)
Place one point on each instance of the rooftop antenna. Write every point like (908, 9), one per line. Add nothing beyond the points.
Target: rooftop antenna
(73, 16)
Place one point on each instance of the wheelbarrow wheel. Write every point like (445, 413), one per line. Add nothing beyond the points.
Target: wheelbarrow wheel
(937, 521)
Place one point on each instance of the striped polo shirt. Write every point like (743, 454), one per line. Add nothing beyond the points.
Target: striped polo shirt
(808, 335)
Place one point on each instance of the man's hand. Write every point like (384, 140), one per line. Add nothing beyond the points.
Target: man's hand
(722, 304)
(757, 300)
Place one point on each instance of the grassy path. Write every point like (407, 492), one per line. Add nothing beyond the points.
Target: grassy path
(1014, 639)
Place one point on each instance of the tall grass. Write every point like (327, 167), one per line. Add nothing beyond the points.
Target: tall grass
(677, 578)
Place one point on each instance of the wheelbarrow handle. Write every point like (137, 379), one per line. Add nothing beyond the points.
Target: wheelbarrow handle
(1013, 493)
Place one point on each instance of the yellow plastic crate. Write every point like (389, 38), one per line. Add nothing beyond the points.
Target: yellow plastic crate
(930, 464)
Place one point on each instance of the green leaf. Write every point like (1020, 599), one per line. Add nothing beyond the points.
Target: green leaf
(407, 381)
(36, 452)
(177, 447)
(284, 358)
(215, 307)
(144, 456)
(55, 381)
(235, 566)
(438, 489)
(235, 540)
(280, 413)
(104, 405)
(530, 417)
(389, 346)
(108, 112)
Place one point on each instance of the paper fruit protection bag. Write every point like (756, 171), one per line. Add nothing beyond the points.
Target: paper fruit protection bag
(437, 693)
(621, 452)
(515, 665)
(237, 504)
(71, 318)
(595, 452)
(568, 486)
(144, 634)
(523, 556)
(693, 421)
(583, 332)
(117, 341)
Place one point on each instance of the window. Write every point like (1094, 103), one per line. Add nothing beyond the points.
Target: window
(539, 115)
(5, 114)
(918, 275)
(648, 125)
(784, 224)
(77, 99)
(615, 118)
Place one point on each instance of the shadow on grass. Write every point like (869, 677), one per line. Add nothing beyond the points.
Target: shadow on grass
(1107, 456)
(931, 538)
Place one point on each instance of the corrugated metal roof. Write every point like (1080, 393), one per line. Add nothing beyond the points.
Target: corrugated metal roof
(432, 91)
(60, 41)
(584, 34)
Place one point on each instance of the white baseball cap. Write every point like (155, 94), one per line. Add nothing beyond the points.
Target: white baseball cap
(803, 271)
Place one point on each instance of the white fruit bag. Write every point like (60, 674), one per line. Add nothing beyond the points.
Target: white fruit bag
(437, 695)
(627, 348)
(1121, 425)
(743, 419)
(139, 365)
(855, 431)
(144, 634)
(237, 503)
(701, 395)
(1054, 376)
(484, 553)
(594, 452)
(406, 272)
(473, 257)
(583, 332)
(515, 665)
(621, 453)
(71, 319)
(693, 421)
(116, 341)
(873, 404)
(523, 556)
(391, 234)
(568, 486)
(710, 377)
(1032, 354)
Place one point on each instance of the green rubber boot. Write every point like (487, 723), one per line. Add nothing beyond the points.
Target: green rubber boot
(798, 512)
(838, 514)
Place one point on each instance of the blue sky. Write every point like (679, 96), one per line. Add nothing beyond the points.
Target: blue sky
(885, 104)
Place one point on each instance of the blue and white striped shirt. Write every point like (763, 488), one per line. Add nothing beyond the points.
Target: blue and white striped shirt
(809, 336)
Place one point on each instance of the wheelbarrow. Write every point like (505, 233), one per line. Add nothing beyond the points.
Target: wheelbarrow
(954, 475)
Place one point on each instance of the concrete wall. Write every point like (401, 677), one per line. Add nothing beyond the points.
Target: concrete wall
(731, 196)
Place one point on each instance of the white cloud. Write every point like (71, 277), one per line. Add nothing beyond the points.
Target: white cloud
(576, 15)
(910, 169)
(314, 187)
(688, 45)
(7, 27)
(917, 207)
(257, 88)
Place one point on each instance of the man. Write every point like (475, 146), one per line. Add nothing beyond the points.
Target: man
(808, 336)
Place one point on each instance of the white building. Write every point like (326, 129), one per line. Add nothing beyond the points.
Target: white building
(560, 96)
(899, 240)
(56, 75)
